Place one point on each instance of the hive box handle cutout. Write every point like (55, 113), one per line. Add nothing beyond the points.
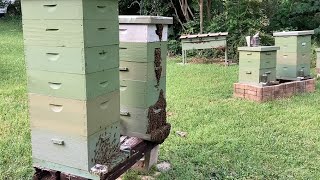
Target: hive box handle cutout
(53, 56)
(104, 105)
(52, 30)
(124, 113)
(55, 86)
(56, 108)
(104, 84)
(124, 69)
(58, 142)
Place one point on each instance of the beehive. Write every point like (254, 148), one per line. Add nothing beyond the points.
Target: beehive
(257, 65)
(318, 61)
(72, 57)
(143, 51)
(294, 56)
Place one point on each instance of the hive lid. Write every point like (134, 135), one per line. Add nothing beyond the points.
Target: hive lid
(293, 33)
(145, 20)
(204, 35)
(259, 48)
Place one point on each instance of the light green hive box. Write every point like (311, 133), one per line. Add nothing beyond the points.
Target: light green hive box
(74, 117)
(139, 94)
(70, 9)
(137, 71)
(72, 60)
(255, 62)
(318, 57)
(73, 86)
(294, 56)
(141, 52)
(70, 33)
(76, 154)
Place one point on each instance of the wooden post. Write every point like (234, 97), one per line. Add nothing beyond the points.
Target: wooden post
(150, 159)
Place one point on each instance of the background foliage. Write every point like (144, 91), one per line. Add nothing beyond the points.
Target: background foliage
(238, 17)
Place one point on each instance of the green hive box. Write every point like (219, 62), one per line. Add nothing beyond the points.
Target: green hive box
(67, 33)
(140, 94)
(143, 52)
(73, 86)
(255, 63)
(318, 58)
(72, 57)
(294, 56)
(72, 60)
(70, 9)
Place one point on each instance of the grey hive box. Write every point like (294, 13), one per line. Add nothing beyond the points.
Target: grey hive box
(72, 58)
(294, 56)
(143, 54)
(255, 63)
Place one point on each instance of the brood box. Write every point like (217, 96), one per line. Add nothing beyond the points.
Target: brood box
(294, 56)
(257, 65)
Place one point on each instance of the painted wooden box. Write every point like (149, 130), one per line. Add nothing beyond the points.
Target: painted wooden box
(76, 152)
(74, 117)
(139, 94)
(318, 59)
(72, 60)
(142, 52)
(73, 86)
(70, 9)
(144, 28)
(207, 41)
(294, 56)
(66, 33)
(137, 71)
(257, 65)
(292, 72)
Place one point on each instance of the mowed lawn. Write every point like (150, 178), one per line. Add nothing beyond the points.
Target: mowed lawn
(227, 138)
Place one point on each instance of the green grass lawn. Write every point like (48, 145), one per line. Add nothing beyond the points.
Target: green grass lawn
(227, 138)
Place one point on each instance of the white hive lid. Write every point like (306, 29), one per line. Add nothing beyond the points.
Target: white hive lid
(259, 48)
(124, 19)
(293, 33)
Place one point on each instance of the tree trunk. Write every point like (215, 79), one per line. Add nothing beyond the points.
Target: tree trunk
(209, 5)
(201, 15)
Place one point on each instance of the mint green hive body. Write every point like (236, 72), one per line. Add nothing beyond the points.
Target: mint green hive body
(72, 58)
(294, 56)
(255, 62)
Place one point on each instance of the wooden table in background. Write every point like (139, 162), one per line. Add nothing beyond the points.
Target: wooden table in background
(204, 41)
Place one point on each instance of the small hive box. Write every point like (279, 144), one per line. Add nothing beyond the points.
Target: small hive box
(257, 65)
(294, 56)
(143, 53)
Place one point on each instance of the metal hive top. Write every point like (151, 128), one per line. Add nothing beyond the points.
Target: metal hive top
(293, 33)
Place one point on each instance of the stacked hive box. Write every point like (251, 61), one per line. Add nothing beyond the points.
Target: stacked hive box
(257, 65)
(318, 62)
(294, 57)
(71, 50)
(143, 50)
